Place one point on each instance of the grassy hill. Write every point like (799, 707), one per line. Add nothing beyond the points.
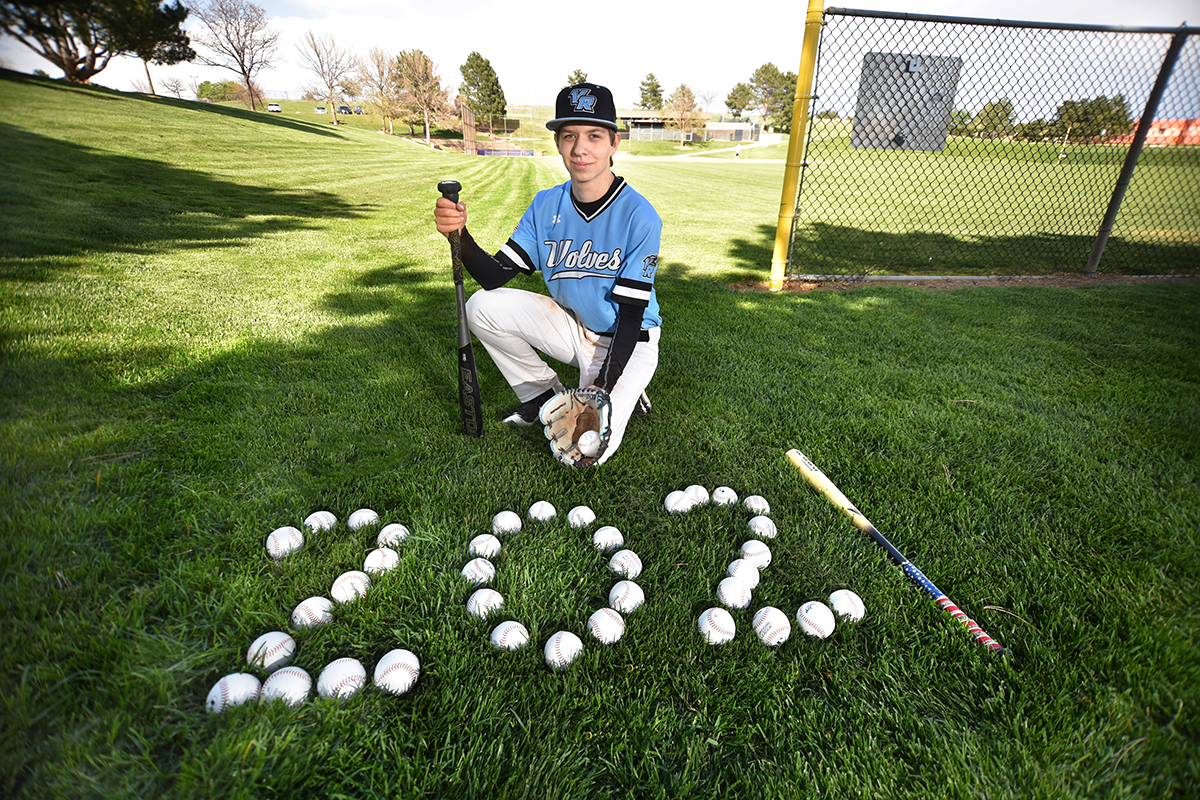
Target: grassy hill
(213, 323)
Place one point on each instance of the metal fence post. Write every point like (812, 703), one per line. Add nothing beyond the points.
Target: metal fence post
(1135, 150)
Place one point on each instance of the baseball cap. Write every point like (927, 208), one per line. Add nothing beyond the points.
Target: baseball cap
(586, 103)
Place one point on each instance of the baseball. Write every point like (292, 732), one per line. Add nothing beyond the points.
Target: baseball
(733, 593)
(382, 559)
(483, 602)
(342, 677)
(724, 496)
(313, 611)
(772, 626)
(509, 635)
(285, 540)
(697, 494)
(320, 521)
(626, 564)
(391, 535)
(607, 538)
(741, 568)
(485, 545)
(232, 690)
(478, 571)
(349, 585)
(271, 651)
(397, 671)
(757, 504)
(506, 522)
(757, 553)
(362, 518)
(581, 517)
(677, 502)
(561, 649)
(290, 684)
(716, 626)
(606, 625)
(847, 605)
(815, 619)
(625, 596)
(589, 443)
(542, 511)
(763, 527)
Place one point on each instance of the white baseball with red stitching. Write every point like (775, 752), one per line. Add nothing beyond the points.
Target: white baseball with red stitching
(724, 496)
(485, 545)
(320, 521)
(757, 553)
(478, 571)
(626, 596)
(380, 560)
(626, 563)
(697, 494)
(483, 602)
(509, 635)
(741, 568)
(716, 626)
(757, 504)
(606, 625)
(763, 527)
(506, 522)
(285, 540)
(342, 677)
(815, 619)
(271, 651)
(561, 649)
(391, 535)
(677, 502)
(607, 538)
(772, 626)
(349, 585)
(847, 605)
(542, 511)
(290, 684)
(362, 518)
(733, 593)
(397, 671)
(312, 611)
(232, 690)
(581, 517)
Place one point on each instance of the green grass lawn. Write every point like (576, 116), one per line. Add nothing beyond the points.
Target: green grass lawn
(214, 322)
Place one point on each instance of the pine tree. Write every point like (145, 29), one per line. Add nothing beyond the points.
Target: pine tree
(481, 88)
(652, 98)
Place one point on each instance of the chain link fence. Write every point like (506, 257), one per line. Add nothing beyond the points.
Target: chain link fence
(944, 145)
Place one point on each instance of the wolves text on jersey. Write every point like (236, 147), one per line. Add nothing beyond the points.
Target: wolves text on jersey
(585, 258)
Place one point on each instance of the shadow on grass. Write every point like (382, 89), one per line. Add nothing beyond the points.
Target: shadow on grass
(62, 199)
(824, 249)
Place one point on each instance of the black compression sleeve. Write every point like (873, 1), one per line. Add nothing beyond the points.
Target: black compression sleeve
(624, 339)
(487, 270)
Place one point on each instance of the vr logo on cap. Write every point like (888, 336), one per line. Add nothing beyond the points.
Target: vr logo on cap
(582, 100)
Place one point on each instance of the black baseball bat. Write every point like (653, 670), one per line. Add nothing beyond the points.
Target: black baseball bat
(820, 481)
(468, 377)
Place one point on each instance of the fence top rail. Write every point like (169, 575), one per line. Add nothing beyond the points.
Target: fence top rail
(1005, 23)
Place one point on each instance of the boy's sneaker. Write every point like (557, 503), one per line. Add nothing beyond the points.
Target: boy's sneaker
(527, 413)
(643, 405)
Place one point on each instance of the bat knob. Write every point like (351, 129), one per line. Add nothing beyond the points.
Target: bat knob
(450, 190)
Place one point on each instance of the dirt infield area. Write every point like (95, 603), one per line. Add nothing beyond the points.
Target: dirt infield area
(1065, 280)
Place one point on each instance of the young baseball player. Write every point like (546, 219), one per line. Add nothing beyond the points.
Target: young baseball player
(595, 241)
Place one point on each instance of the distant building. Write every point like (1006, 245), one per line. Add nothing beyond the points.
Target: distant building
(650, 127)
(1166, 132)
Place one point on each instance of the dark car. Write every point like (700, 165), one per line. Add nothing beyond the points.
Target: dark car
(358, 110)
(343, 109)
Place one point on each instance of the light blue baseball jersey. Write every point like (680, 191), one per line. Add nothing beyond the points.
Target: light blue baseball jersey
(591, 260)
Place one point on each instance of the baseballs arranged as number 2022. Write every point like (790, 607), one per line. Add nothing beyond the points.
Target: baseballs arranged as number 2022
(589, 443)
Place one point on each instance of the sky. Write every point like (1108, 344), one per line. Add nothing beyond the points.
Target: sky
(617, 45)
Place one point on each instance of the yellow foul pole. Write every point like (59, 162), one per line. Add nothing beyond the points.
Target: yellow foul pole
(791, 173)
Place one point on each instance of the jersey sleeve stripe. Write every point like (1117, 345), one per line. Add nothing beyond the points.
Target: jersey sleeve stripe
(515, 255)
(633, 292)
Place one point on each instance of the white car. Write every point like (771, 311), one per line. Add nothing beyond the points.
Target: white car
(274, 107)
(319, 110)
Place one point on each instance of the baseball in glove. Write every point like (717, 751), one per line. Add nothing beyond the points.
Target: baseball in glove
(570, 414)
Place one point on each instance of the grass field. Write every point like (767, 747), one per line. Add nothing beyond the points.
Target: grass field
(215, 322)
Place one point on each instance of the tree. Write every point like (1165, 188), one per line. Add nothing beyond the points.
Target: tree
(332, 65)
(707, 96)
(739, 99)
(80, 37)
(481, 89)
(774, 94)
(681, 112)
(994, 121)
(652, 99)
(578, 76)
(174, 86)
(1090, 119)
(378, 84)
(221, 92)
(236, 33)
(422, 88)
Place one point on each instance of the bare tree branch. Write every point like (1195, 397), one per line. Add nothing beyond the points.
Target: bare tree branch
(238, 37)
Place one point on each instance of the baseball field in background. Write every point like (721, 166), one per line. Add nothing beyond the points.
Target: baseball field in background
(214, 323)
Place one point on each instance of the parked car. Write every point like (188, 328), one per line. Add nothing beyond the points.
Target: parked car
(358, 110)
(343, 109)
(319, 110)
(274, 107)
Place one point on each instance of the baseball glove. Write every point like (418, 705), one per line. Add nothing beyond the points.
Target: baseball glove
(571, 413)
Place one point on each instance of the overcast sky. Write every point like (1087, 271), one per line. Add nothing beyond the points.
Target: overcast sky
(616, 45)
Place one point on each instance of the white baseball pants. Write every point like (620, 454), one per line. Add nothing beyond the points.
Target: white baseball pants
(514, 325)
